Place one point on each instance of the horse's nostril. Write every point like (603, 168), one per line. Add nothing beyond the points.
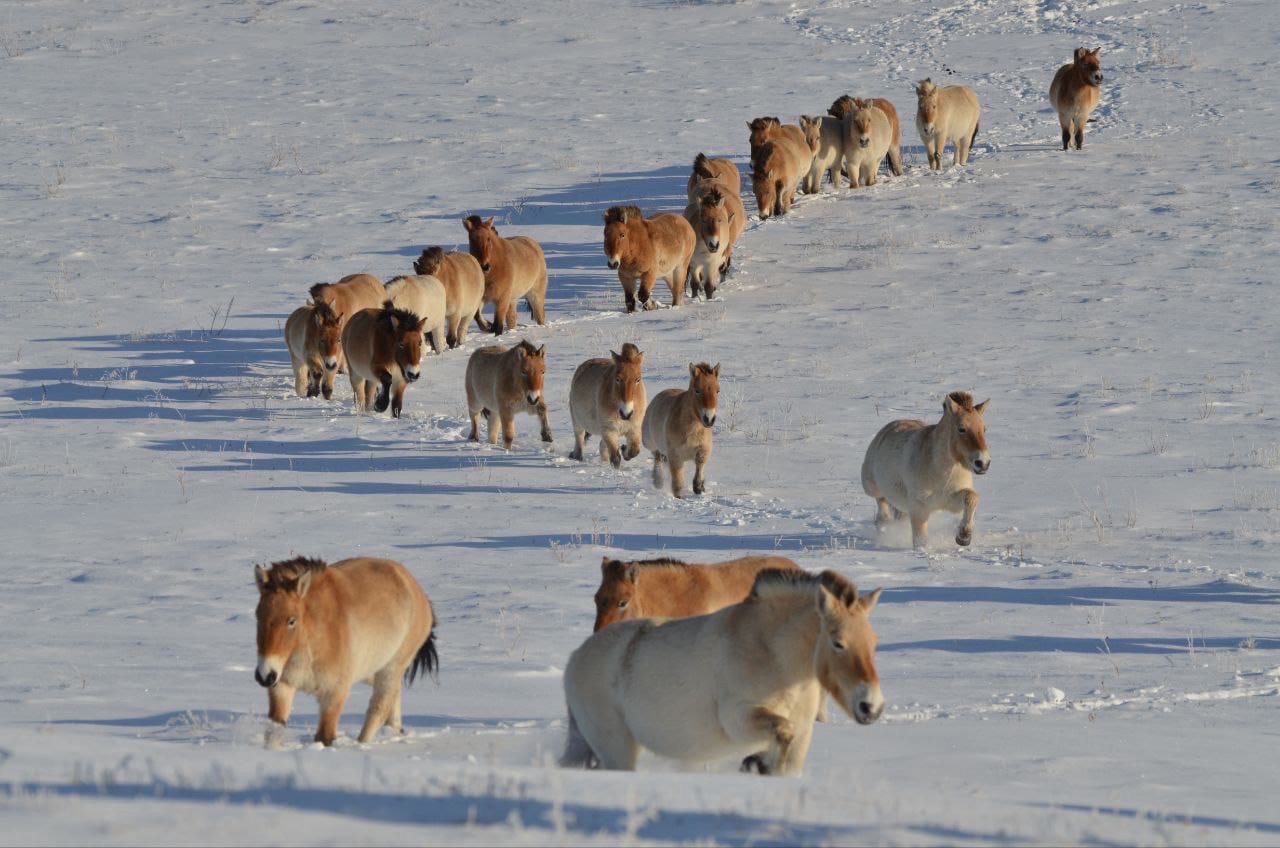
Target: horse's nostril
(865, 707)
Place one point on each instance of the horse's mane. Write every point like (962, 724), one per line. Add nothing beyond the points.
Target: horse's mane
(773, 582)
(527, 346)
(432, 256)
(475, 221)
(630, 353)
(705, 368)
(925, 85)
(964, 400)
(318, 290)
(286, 572)
(712, 198)
(702, 166)
(322, 313)
(841, 106)
(622, 214)
(762, 123)
(401, 316)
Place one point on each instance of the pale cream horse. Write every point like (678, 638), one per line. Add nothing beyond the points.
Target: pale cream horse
(868, 139)
(949, 113)
(424, 296)
(917, 469)
(743, 682)
(677, 428)
(607, 398)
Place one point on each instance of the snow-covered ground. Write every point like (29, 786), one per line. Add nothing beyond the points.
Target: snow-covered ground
(1102, 665)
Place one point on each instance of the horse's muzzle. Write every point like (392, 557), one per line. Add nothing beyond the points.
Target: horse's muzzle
(268, 681)
(709, 419)
(625, 412)
(713, 245)
(865, 142)
(412, 376)
(981, 466)
(613, 264)
(331, 364)
(1097, 79)
(864, 712)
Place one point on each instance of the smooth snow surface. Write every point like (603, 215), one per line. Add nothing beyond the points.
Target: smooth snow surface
(1102, 665)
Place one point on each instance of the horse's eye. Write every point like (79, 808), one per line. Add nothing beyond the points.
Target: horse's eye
(637, 379)
(293, 619)
(622, 604)
(961, 430)
(698, 392)
(837, 644)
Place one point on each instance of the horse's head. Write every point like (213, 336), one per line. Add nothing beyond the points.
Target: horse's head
(482, 240)
(617, 598)
(841, 107)
(328, 335)
(1089, 65)
(704, 382)
(967, 431)
(626, 383)
(715, 220)
(399, 341)
(845, 652)
(532, 364)
(281, 614)
(927, 104)
(812, 129)
(429, 262)
(618, 220)
(860, 122)
(762, 129)
(763, 185)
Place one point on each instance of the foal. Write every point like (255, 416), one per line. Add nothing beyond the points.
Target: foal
(677, 428)
(503, 381)
(607, 397)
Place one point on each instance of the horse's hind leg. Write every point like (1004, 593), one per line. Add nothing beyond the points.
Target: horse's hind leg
(919, 530)
(579, 443)
(657, 470)
(1066, 137)
(884, 513)
(386, 695)
(438, 340)
(330, 711)
(895, 161)
(1080, 136)
(611, 742)
(536, 302)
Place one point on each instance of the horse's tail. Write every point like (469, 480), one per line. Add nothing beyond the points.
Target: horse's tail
(577, 753)
(975, 133)
(425, 660)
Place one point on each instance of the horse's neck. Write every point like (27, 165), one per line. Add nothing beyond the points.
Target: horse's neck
(938, 438)
(684, 587)
(790, 630)
(687, 406)
(501, 260)
(639, 237)
(324, 609)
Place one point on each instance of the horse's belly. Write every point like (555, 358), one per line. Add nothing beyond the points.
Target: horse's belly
(683, 730)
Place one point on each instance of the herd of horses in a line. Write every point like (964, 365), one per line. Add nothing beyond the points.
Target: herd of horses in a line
(666, 668)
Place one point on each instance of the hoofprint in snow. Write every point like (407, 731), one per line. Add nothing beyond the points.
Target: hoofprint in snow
(1101, 665)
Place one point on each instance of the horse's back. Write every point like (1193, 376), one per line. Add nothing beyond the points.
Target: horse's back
(421, 294)
(358, 336)
(483, 374)
(527, 253)
(964, 108)
(889, 455)
(586, 387)
(383, 604)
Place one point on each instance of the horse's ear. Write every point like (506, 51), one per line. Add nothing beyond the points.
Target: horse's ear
(948, 405)
(542, 351)
(981, 407)
(868, 602)
(303, 584)
(395, 323)
(1080, 53)
(630, 572)
(488, 222)
(1095, 51)
(693, 370)
(466, 222)
(828, 604)
(260, 577)
(422, 325)
(616, 358)
(716, 371)
(606, 565)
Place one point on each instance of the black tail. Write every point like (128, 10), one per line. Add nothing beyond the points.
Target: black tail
(974, 136)
(426, 660)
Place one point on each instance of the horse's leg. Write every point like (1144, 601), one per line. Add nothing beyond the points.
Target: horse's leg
(501, 310)
(791, 761)
(386, 692)
(438, 340)
(508, 420)
(761, 724)
(700, 470)
(633, 444)
(280, 702)
(612, 743)
(536, 301)
(579, 442)
(657, 470)
(869, 171)
(895, 160)
(484, 325)
(676, 282)
(301, 379)
(609, 449)
(677, 475)
(330, 711)
(495, 421)
(628, 290)
(512, 323)
(647, 279)
(383, 398)
(884, 513)
(1066, 134)
(1080, 135)
(397, 400)
(541, 409)
(919, 529)
(357, 388)
(965, 500)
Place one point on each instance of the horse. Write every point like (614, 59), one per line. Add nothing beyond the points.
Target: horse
(916, 469)
(384, 354)
(644, 249)
(463, 283)
(677, 428)
(504, 381)
(868, 138)
(607, 397)
(776, 168)
(1074, 93)
(347, 297)
(669, 588)
(845, 105)
(825, 137)
(513, 268)
(313, 334)
(323, 627)
(423, 295)
(718, 218)
(771, 128)
(722, 171)
(946, 114)
(745, 681)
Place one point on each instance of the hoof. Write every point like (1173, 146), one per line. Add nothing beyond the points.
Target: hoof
(754, 764)
(964, 537)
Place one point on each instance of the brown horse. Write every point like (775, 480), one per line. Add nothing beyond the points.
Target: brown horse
(722, 171)
(607, 397)
(845, 105)
(463, 283)
(350, 294)
(503, 381)
(916, 469)
(513, 268)
(1075, 92)
(644, 249)
(314, 336)
(323, 627)
(718, 218)
(771, 128)
(677, 428)
(777, 166)
(669, 588)
(384, 354)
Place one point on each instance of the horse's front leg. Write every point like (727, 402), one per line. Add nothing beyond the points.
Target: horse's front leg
(280, 702)
(884, 513)
(383, 400)
(541, 409)
(330, 711)
(647, 280)
(609, 449)
(780, 734)
(966, 501)
(628, 283)
(700, 470)
(919, 528)
(397, 399)
(677, 475)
